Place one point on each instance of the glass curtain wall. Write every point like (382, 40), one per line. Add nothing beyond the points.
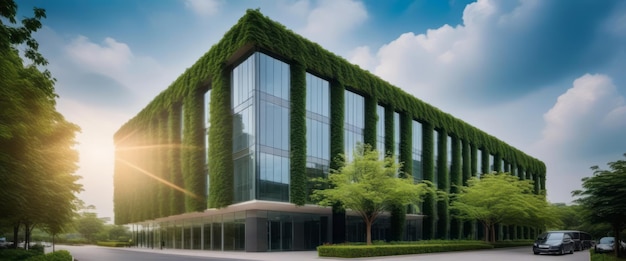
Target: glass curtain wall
(317, 129)
(207, 125)
(418, 175)
(354, 122)
(396, 136)
(260, 100)
(274, 105)
(436, 157)
(479, 162)
(243, 85)
(449, 153)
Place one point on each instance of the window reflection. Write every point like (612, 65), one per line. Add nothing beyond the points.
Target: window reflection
(380, 130)
(317, 129)
(417, 151)
(354, 122)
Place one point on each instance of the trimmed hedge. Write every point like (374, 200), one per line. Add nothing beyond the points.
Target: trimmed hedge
(395, 249)
(112, 244)
(59, 255)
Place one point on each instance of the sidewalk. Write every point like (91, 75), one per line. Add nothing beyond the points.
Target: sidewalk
(273, 256)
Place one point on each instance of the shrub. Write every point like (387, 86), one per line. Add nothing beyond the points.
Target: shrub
(17, 254)
(61, 255)
(37, 248)
(348, 251)
(112, 244)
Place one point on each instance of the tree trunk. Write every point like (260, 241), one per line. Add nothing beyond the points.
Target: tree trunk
(16, 232)
(486, 229)
(368, 232)
(617, 245)
(26, 236)
(52, 242)
(493, 233)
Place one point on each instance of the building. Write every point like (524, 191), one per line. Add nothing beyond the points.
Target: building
(220, 160)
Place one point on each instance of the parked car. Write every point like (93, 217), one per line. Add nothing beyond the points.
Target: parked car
(3, 243)
(607, 245)
(582, 240)
(554, 243)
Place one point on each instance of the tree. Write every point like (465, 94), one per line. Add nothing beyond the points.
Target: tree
(37, 158)
(119, 233)
(89, 225)
(603, 195)
(500, 198)
(370, 187)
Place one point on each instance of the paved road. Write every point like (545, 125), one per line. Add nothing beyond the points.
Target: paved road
(94, 253)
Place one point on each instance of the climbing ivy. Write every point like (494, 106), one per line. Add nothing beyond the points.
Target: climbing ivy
(255, 32)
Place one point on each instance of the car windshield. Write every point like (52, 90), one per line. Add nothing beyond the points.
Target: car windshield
(551, 236)
(607, 240)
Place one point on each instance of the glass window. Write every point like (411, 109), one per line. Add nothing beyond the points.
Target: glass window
(396, 135)
(449, 153)
(318, 128)
(479, 162)
(274, 77)
(417, 151)
(380, 130)
(436, 157)
(354, 122)
(274, 177)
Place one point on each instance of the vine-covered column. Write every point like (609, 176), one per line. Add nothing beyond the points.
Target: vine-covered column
(443, 184)
(194, 175)
(174, 168)
(398, 213)
(298, 135)
(221, 180)
(456, 180)
(428, 163)
(337, 93)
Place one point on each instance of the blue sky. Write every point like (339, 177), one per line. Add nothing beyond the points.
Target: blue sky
(547, 77)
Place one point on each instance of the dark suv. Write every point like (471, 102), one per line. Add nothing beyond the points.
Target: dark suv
(554, 242)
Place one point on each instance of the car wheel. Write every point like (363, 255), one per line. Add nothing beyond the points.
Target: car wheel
(562, 252)
(571, 250)
(536, 253)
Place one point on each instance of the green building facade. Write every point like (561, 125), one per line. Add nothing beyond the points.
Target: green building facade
(222, 158)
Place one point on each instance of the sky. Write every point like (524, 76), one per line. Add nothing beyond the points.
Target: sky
(547, 77)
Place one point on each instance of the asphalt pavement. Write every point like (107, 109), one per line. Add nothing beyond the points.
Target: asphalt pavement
(95, 253)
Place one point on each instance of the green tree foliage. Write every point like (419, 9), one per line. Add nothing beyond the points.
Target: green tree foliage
(370, 186)
(603, 195)
(37, 158)
(88, 225)
(119, 233)
(501, 199)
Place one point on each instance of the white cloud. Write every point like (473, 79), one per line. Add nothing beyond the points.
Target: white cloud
(331, 19)
(363, 57)
(142, 75)
(203, 7)
(583, 128)
(503, 50)
(586, 118)
(109, 58)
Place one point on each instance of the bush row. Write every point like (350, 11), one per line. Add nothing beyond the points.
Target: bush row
(34, 255)
(60, 255)
(351, 251)
(112, 244)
